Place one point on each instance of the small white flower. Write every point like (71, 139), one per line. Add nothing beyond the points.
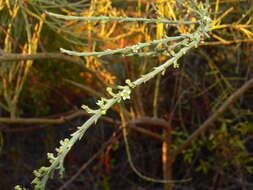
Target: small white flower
(176, 65)
(100, 103)
(125, 93)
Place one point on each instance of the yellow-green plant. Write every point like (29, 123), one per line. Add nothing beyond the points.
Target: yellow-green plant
(24, 40)
(14, 75)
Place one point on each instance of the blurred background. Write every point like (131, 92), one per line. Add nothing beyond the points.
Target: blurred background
(42, 90)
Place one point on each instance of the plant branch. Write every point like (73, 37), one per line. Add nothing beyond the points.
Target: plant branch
(146, 132)
(85, 88)
(156, 122)
(125, 50)
(208, 123)
(60, 120)
(86, 164)
(11, 57)
(122, 93)
(121, 19)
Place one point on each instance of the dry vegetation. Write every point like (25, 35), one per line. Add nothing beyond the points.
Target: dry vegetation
(194, 122)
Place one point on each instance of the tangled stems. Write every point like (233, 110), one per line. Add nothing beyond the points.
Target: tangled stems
(188, 42)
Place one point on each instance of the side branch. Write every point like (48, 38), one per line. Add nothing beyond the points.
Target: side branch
(121, 19)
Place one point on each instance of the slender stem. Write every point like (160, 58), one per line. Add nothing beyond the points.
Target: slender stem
(11, 57)
(208, 123)
(164, 66)
(125, 49)
(122, 19)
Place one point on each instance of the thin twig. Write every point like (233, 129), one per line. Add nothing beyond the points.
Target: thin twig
(150, 121)
(121, 19)
(146, 132)
(12, 57)
(60, 120)
(208, 123)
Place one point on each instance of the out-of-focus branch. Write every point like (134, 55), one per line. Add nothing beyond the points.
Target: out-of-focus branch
(146, 132)
(85, 88)
(151, 122)
(60, 120)
(12, 57)
(249, 40)
(156, 122)
(208, 123)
